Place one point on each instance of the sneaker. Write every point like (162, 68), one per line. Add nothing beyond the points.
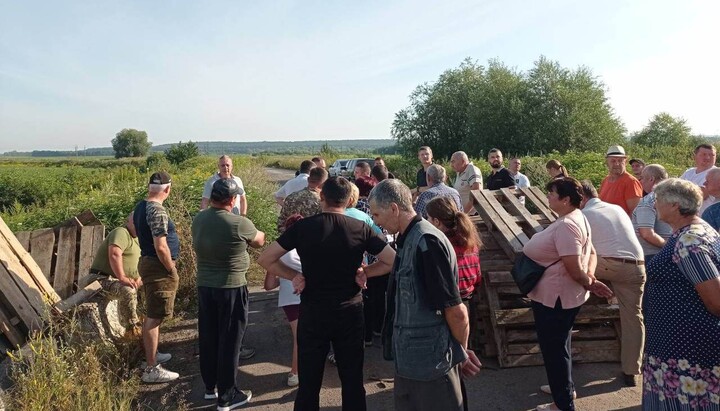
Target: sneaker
(368, 343)
(158, 374)
(246, 353)
(293, 380)
(233, 399)
(546, 390)
(331, 358)
(160, 358)
(211, 394)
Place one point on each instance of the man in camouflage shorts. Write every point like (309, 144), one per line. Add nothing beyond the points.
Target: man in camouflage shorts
(305, 202)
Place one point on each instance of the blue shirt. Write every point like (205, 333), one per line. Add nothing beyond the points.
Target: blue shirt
(437, 190)
(712, 216)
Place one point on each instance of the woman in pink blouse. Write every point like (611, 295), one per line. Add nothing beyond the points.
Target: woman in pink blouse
(564, 247)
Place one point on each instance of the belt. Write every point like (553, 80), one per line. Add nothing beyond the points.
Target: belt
(626, 260)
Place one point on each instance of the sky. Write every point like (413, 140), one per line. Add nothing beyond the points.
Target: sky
(74, 73)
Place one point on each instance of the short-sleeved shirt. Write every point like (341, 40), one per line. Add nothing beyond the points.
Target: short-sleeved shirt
(433, 265)
(152, 221)
(500, 179)
(331, 248)
(465, 180)
(521, 180)
(437, 190)
(121, 238)
(619, 191)
(645, 216)
(613, 232)
(293, 185)
(698, 179)
(286, 295)
(305, 202)
(568, 235)
(207, 190)
(220, 241)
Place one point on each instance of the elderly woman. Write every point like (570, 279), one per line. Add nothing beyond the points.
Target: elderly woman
(681, 367)
(651, 232)
(565, 248)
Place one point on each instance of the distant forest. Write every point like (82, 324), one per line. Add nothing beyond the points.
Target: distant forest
(380, 146)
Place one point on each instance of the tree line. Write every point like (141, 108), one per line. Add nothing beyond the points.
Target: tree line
(548, 108)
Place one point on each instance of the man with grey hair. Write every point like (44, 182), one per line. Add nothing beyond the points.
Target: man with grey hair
(427, 313)
(468, 178)
(225, 168)
(650, 230)
(436, 182)
(711, 214)
(159, 249)
(620, 260)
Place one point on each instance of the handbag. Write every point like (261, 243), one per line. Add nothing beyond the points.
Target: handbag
(527, 273)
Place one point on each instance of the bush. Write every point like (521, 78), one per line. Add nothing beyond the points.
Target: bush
(181, 152)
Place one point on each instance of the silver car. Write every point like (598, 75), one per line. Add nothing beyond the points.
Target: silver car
(337, 167)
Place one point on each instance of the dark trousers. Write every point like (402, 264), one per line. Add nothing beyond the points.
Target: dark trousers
(222, 319)
(553, 327)
(318, 326)
(374, 305)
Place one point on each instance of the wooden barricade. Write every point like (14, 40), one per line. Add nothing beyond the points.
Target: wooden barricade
(504, 323)
(38, 270)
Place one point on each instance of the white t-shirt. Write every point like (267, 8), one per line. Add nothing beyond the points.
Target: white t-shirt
(521, 180)
(286, 295)
(291, 186)
(207, 190)
(699, 180)
(613, 234)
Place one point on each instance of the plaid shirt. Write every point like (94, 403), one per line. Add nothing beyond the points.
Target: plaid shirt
(469, 275)
(437, 190)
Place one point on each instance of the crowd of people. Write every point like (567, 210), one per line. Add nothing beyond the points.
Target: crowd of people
(373, 260)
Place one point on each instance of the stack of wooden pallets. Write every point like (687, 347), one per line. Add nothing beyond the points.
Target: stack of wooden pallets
(504, 323)
(39, 271)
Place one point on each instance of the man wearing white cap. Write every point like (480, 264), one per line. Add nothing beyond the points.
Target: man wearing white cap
(619, 187)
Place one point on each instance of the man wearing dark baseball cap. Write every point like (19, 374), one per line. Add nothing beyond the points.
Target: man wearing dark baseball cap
(159, 249)
(220, 240)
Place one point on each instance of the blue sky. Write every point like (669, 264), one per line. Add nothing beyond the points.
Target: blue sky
(74, 73)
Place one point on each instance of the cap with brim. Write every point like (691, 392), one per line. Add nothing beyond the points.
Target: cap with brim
(160, 177)
(636, 160)
(224, 189)
(615, 151)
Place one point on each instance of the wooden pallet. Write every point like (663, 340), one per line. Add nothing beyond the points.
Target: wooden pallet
(505, 323)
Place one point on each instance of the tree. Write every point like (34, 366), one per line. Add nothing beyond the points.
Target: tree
(131, 143)
(473, 108)
(180, 152)
(664, 130)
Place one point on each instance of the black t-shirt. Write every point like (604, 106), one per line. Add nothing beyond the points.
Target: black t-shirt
(331, 247)
(422, 177)
(501, 179)
(433, 266)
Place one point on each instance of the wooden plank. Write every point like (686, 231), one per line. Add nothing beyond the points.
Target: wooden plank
(64, 272)
(587, 314)
(42, 245)
(15, 337)
(85, 254)
(499, 277)
(514, 234)
(23, 238)
(26, 302)
(582, 352)
(79, 297)
(98, 237)
(598, 332)
(484, 210)
(540, 200)
(520, 210)
(498, 332)
(30, 265)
